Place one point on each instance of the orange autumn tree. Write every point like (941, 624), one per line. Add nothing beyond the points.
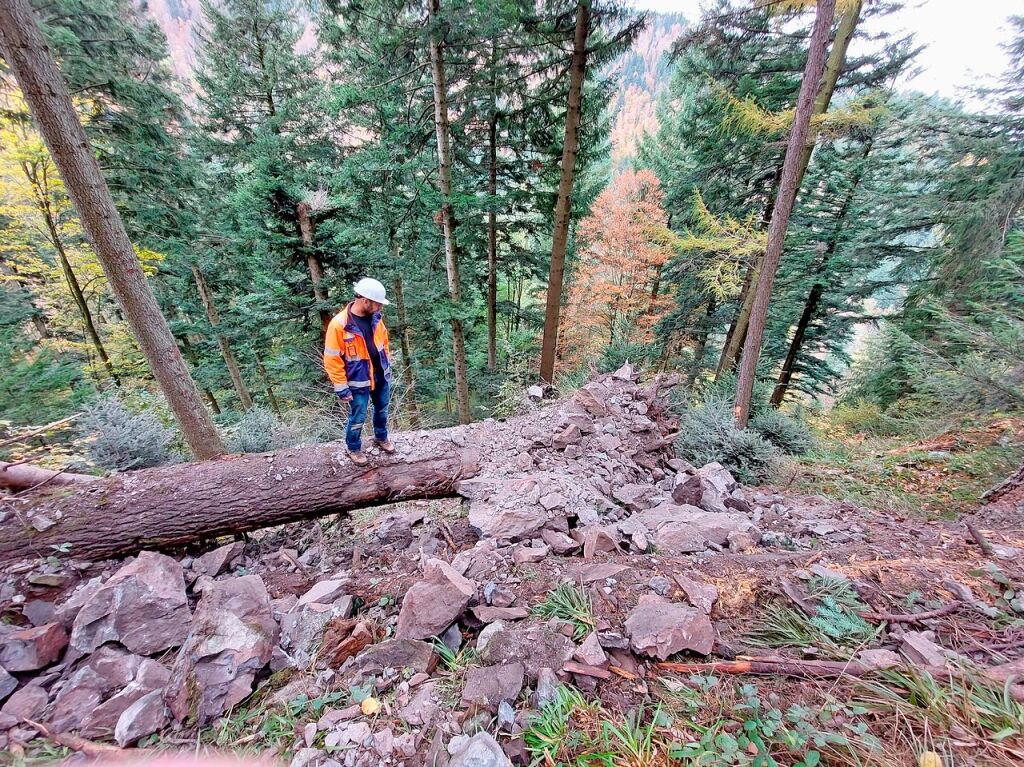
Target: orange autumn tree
(617, 293)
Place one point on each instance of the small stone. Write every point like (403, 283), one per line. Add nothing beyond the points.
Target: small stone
(559, 542)
(590, 652)
(679, 538)
(529, 554)
(482, 750)
(8, 684)
(601, 572)
(920, 648)
(490, 685)
(422, 708)
(598, 540)
(452, 638)
(144, 717)
(487, 634)
(213, 563)
(491, 614)
(535, 647)
(660, 585)
(657, 628)
(879, 659)
(398, 654)
(434, 603)
(701, 595)
(324, 592)
(547, 687)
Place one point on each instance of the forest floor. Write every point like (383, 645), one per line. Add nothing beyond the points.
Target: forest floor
(858, 547)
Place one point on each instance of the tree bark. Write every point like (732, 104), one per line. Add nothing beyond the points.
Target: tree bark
(447, 212)
(790, 184)
(47, 96)
(316, 268)
(833, 68)
(22, 476)
(492, 221)
(563, 207)
(222, 341)
(408, 374)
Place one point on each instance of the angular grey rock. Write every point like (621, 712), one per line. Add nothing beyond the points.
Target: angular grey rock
(324, 592)
(570, 435)
(920, 648)
(658, 628)
(879, 659)
(487, 633)
(143, 606)
(213, 563)
(679, 538)
(303, 628)
(109, 669)
(524, 555)
(145, 716)
(26, 703)
(33, 648)
(701, 595)
(492, 614)
(536, 647)
(743, 541)
(232, 638)
(535, 392)
(637, 497)
(687, 489)
(719, 477)
(599, 540)
(398, 654)
(482, 750)
(490, 685)
(559, 542)
(452, 638)
(39, 612)
(601, 572)
(102, 720)
(423, 708)
(660, 585)
(591, 653)
(8, 684)
(547, 687)
(493, 521)
(434, 603)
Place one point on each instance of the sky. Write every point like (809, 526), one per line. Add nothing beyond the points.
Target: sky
(963, 39)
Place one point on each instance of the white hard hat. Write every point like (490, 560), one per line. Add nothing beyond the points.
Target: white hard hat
(370, 288)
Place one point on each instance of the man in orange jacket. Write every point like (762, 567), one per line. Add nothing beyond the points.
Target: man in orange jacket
(357, 358)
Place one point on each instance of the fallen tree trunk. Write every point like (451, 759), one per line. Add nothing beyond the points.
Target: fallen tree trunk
(176, 505)
(519, 475)
(22, 476)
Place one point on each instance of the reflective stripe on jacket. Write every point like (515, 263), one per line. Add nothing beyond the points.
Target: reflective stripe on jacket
(346, 356)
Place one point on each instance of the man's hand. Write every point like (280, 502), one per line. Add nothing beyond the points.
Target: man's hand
(345, 395)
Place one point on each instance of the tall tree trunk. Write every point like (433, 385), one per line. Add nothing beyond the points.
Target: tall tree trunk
(316, 268)
(448, 213)
(818, 289)
(222, 341)
(492, 221)
(563, 207)
(833, 68)
(790, 184)
(408, 374)
(701, 348)
(47, 96)
(268, 385)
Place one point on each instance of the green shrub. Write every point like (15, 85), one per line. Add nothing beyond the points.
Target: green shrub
(707, 433)
(254, 432)
(790, 435)
(119, 438)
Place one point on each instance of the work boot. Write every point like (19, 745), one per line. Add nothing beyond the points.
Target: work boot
(386, 445)
(358, 457)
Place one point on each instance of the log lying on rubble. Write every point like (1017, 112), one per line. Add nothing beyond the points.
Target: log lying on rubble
(24, 476)
(519, 474)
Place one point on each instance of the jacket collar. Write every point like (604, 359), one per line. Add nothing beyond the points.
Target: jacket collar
(350, 323)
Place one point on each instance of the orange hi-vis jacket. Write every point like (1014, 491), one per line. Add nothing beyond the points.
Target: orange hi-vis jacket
(346, 356)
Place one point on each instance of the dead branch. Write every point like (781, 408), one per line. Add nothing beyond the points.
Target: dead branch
(870, 615)
(87, 747)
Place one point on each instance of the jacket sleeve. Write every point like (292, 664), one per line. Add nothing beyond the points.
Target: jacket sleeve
(334, 361)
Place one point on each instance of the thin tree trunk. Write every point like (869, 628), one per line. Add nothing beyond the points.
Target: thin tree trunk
(408, 374)
(269, 385)
(833, 68)
(222, 341)
(83, 306)
(701, 348)
(38, 317)
(492, 222)
(563, 207)
(790, 184)
(193, 358)
(818, 289)
(316, 268)
(28, 58)
(448, 214)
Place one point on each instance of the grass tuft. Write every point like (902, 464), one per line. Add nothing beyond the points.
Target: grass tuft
(568, 603)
